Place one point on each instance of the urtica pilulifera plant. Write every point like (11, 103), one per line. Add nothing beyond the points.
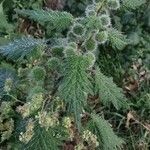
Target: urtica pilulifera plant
(54, 79)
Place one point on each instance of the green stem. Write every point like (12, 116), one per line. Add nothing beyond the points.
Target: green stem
(16, 100)
(101, 6)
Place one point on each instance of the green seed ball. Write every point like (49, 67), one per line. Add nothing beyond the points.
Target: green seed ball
(90, 44)
(101, 37)
(38, 73)
(90, 10)
(90, 59)
(69, 51)
(73, 45)
(78, 29)
(90, 13)
(38, 53)
(57, 51)
(71, 36)
(53, 63)
(113, 4)
(105, 20)
(91, 7)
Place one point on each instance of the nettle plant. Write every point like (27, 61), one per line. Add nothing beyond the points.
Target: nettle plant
(57, 77)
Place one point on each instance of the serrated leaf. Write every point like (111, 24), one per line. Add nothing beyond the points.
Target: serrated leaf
(20, 48)
(75, 86)
(56, 19)
(108, 91)
(117, 39)
(108, 140)
(51, 139)
(46, 140)
(132, 4)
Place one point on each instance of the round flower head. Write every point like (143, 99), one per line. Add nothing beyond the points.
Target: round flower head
(73, 45)
(8, 85)
(113, 4)
(90, 13)
(53, 63)
(28, 134)
(69, 51)
(90, 7)
(90, 10)
(71, 36)
(67, 122)
(57, 51)
(90, 44)
(91, 138)
(90, 58)
(78, 30)
(38, 73)
(47, 120)
(101, 37)
(105, 20)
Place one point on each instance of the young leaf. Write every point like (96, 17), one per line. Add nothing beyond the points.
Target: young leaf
(75, 85)
(108, 91)
(106, 137)
(117, 39)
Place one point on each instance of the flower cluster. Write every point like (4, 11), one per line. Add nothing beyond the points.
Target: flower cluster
(67, 122)
(80, 146)
(6, 129)
(8, 85)
(47, 120)
(5, 110)
(32, 106)
(28, 134)
(113, 4)
(38, 73)
(90, 138)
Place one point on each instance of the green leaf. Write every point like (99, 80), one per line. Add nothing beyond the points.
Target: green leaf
(132, 4)
(51, 139)
(117, 39)
(4, 25)
(18, 49)
(75, 86)
(108, 140)
(108, 91)
(56, 19)
(46, 140)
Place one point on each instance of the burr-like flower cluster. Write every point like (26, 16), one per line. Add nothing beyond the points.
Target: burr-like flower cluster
(32, 106)
(28, 134)
(8, 85)
(90, 138)
(47, 120)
